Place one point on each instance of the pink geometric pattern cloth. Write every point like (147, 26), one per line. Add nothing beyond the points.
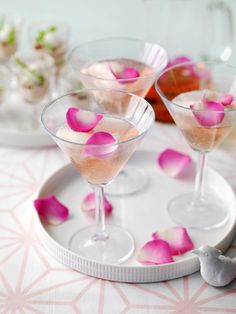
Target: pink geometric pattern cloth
(32, 282)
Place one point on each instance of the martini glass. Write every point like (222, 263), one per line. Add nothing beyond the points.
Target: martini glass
(103, 243)
(204, 126)
(100, 64)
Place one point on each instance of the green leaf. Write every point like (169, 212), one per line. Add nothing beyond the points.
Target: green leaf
(11, 37)
(79, 86)
(52, 29)
(40, 37)
(12, 34)
(30, 73)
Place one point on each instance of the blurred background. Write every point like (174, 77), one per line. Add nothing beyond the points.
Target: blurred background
(202, 29)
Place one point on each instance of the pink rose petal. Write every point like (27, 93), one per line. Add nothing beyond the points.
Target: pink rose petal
(188, 68)
(202, 72)
(177, 238)
(125, 75)
(178, 60)
(173, 162)
(225, 99)
(81, 120)
(88, 204)
(102, 139)
(51, 210)
(212, 115)
(155, 252)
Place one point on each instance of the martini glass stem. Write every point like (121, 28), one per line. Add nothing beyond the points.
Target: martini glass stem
(100, 233)
(199, 180)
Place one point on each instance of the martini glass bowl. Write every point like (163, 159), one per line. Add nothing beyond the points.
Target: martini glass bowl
(125, 64)
(205, 114)
(103, 243)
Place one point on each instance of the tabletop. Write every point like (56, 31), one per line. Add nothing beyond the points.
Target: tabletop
(33, 282)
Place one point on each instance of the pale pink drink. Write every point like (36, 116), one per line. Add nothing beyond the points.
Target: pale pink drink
(112, 160)
(99, 161)
(124, 64)
(107, 70)
(201, 137)
(205, 117)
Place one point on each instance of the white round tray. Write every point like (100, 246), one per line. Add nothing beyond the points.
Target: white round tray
(15, 128)
(141, 214)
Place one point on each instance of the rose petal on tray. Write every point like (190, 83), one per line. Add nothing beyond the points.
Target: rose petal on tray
(125, 75)
(101, 144)
(173, 162)
(177, 238)
(225, 99)
(51, 210)
(82, 120)
(212, 115)
(88, 204)
(155, 252)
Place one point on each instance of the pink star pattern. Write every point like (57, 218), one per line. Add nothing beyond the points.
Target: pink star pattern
(33, 282)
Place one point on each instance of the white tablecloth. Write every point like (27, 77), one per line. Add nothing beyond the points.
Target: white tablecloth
(32, 282)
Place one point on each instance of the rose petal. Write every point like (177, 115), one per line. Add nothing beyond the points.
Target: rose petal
(177, 238)
(173, 162)
(178, 60)
(212, 115)
(125, 74)
(155, 252)
(225, 99)
(202, 72)
(81, 120)
(188, 69)
(51, 210)
(88, 204)
(102, 139)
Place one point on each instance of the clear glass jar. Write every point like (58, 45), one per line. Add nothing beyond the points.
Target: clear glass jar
(52, 38)
(35, 76)
(9, 37)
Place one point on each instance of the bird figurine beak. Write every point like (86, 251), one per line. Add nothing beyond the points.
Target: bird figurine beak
(196, 251)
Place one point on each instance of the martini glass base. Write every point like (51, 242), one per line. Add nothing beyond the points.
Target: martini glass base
(115, 249)
(207, 214)
(130, 180)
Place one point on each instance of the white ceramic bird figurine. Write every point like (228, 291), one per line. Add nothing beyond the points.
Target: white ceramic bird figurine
(217, 270)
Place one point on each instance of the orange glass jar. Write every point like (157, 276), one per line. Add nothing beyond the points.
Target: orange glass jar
(185, 82)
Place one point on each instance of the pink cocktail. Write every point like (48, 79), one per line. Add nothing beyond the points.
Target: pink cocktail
(99, 153)
(125, 64)
(205, 117)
